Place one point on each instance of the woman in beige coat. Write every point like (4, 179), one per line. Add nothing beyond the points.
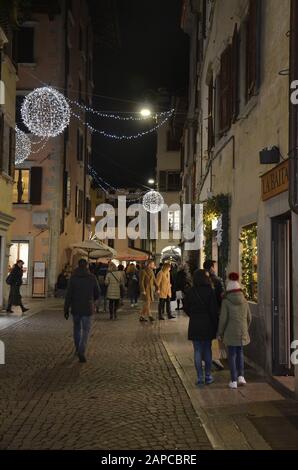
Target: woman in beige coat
(234, 322)
(114, 282)
(163, 281)
(148, 287)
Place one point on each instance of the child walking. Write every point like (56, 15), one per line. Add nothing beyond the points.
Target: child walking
(234, 323)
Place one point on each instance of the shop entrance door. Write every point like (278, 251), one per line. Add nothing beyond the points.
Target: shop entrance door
(282, 318)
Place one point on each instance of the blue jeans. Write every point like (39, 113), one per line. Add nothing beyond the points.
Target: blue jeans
(236, 362)
(203, 352)
(81, 329)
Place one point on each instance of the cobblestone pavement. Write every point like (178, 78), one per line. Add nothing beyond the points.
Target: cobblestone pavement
(127, 396)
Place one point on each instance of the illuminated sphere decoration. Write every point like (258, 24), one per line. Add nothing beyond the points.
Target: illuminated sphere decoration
(23, 146)
(45, 112)
(153, 202)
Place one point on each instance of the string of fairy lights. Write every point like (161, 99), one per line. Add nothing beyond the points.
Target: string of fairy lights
(47, 113)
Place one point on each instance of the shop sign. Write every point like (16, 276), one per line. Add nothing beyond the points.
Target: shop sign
(275, 181)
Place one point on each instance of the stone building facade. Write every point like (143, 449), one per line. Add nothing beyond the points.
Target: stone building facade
(241, 55)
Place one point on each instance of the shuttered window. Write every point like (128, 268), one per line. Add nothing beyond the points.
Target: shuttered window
(253, 45)
(35, 185)
(225, 90)
(235, 74)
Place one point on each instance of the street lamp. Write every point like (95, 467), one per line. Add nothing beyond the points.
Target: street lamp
(151, 181)
(92, 219)
(145, 112)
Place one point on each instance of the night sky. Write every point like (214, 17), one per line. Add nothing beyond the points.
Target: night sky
(139, 48)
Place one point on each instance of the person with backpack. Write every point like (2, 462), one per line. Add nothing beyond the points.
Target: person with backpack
(15, 280)
(114, 282)
(201, 306)
(234, 322)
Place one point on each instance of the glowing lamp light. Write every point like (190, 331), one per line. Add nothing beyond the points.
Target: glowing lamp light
(145, 112)
(151, 181)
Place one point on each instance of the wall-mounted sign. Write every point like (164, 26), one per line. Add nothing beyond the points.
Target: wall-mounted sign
(275, 181)
(39, 279)
(39, 271)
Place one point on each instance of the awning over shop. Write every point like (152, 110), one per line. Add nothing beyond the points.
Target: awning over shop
(132, 255)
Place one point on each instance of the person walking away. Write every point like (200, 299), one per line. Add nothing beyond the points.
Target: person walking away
(182, 284)
(233, 329)
(147, 288)
(101, 273)
(82, 292)
(123, 283)
(113, 281)
(219, 288)
(61, 285)
(15, 280)
(132, 284)
(201, 307)
(163, 281)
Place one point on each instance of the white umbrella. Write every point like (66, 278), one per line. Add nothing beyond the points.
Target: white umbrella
(92, 246)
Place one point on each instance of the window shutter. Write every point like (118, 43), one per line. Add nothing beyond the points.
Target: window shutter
(162, 180)
(225, 91)
(253, 45)
(35, 185)
(235, 74)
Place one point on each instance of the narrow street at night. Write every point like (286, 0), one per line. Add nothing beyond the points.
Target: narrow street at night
(148, 232)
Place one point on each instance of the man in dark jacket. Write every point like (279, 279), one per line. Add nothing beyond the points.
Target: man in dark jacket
(15, 280)
(81, 293)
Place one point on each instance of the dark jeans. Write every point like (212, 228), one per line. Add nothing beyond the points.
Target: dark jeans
(236, 362)
(113, 306)
(162, 304)
(203, 352)
(81, 330)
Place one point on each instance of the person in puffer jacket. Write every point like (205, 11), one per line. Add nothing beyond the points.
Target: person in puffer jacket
(234, 322)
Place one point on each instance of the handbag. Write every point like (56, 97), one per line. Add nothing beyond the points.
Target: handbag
(222, 350)
(9, 279)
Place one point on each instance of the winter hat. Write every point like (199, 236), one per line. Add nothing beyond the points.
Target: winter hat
(233, 283)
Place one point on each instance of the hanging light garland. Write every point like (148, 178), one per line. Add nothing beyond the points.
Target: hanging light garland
(118, 117)
(45, 112)
(23, 146)
(121, 137)
(153, 202)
